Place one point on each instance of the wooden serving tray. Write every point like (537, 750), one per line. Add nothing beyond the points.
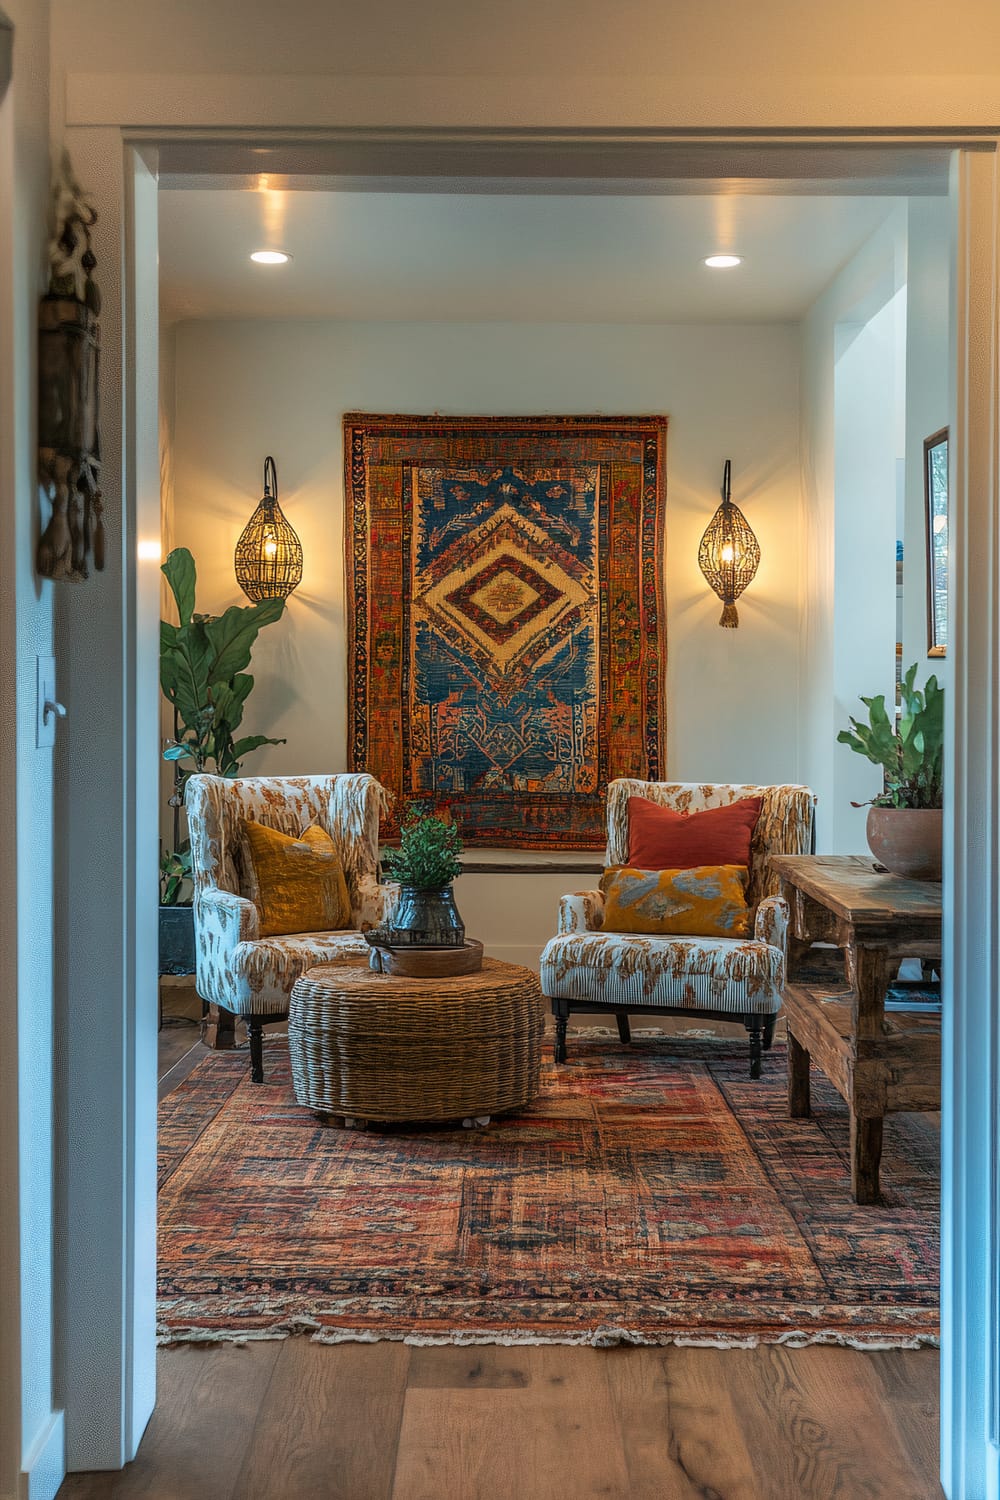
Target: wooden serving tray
(428, 963)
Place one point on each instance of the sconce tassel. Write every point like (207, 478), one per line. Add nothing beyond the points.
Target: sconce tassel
(729, 617)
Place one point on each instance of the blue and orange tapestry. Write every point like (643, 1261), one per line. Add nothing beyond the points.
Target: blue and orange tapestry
(505, 610)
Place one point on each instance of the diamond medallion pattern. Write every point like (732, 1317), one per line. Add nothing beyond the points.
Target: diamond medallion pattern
(515, 590)
(487, 561)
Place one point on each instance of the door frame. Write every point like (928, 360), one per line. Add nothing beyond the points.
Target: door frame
(104, 1433)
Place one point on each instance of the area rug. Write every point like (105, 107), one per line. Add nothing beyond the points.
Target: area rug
(506, 648)
(649, 1195)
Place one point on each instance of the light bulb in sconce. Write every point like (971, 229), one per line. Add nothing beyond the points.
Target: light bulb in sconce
(727, 553)
(268, 554)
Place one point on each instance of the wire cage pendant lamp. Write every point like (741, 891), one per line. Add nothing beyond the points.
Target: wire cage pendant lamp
(268, 555)
(729, 553)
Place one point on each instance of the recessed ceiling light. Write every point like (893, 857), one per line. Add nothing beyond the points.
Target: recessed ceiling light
(270, 257)
(721, 262)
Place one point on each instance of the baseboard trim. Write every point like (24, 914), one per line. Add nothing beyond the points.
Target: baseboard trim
(45, 1465)
(515, 954)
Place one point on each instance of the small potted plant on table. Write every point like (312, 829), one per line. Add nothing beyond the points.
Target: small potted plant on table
(905, 820)
(425, 864)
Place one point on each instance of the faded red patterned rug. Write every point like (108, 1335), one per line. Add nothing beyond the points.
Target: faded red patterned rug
(650, 1194)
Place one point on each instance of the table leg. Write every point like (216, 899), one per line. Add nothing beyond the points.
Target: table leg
(866, 1154)
(868, 971)
(799, 1106)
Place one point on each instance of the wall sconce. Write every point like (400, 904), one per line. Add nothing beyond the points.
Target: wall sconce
(728, 554)
(268, 554)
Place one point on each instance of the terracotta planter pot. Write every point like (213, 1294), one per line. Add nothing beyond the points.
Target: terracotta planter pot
(906, 840)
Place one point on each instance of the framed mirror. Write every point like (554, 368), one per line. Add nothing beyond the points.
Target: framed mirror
(936, 506)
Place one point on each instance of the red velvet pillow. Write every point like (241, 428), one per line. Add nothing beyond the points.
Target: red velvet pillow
(661, 839)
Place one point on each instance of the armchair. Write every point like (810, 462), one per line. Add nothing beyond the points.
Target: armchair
(731, 979)
(237, 969)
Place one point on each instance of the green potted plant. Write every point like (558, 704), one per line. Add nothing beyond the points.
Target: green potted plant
(202, 674)
(904, 820)
(425, 864)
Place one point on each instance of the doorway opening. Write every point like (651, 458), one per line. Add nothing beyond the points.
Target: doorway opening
(514, 294)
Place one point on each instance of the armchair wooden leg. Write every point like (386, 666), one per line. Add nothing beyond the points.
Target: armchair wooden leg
(255, 1031)
(624, 1030)
(218, 1027)
(561, 1013)
(755, 1026)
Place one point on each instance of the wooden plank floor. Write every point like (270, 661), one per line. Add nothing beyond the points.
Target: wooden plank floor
(294, 1420)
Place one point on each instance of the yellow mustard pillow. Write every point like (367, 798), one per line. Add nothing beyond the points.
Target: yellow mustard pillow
(297, 884)
(707, 901)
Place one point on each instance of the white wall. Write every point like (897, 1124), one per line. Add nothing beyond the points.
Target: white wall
(928, 365)
(875, 364)
(864, 609)
(721, 63)
(836, 562)
(31, 1432)
(247, 389)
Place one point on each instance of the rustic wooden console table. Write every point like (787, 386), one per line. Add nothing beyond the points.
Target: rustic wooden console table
(879, 1063)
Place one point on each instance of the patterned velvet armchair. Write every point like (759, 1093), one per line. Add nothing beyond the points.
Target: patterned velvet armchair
(237, 969)
(731, 979)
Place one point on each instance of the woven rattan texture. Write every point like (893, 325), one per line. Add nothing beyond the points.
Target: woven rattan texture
(380, 1047)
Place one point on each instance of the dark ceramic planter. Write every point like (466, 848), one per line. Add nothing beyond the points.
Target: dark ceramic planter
(907, 840)
(177, 940)
(426, 919)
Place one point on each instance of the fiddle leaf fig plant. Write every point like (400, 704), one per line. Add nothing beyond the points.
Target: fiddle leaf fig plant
(202, 674)
(203, 661)
(175, 876)
(427, 857)
(911, 753)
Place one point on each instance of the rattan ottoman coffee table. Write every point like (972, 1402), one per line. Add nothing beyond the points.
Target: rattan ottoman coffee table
(372, 1047)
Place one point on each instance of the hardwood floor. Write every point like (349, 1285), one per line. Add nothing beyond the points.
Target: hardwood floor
(180, 1014)
(292, 1420)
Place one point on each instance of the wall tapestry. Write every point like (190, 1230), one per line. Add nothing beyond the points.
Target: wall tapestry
(505, 610)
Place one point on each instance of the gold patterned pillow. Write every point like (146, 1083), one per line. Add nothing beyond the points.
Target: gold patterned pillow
(297, 884)
(707, 901)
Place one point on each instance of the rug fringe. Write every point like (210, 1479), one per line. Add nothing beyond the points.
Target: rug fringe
(596, 1338)
(598, 1033)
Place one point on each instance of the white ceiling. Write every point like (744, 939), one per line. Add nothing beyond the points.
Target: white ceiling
(504, 256)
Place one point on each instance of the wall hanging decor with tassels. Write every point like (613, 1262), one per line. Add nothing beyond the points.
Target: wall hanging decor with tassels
(729, 553)
(69, 449)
